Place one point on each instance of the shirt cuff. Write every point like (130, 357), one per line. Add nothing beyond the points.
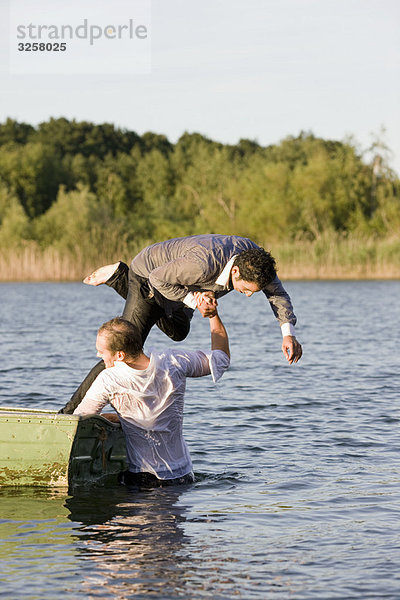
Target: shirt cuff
(190, 301)
(288, 329)
(219, 362)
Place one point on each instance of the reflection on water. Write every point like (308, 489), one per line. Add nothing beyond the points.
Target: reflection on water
(296, 535)
(130, 542)
(299, 488)
(105, 542)
(108, 543)
(35, 549)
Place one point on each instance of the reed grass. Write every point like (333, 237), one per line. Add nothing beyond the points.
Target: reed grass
(330, 257)
(32, 263)
(335, 257)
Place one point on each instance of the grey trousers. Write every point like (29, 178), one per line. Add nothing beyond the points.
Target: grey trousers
(144, 309)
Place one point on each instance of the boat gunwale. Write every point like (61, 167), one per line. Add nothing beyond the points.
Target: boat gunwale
(51, 415)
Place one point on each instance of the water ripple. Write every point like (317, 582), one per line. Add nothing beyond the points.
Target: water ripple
(297, 491)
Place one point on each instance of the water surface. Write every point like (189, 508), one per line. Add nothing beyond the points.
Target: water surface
(298, 491)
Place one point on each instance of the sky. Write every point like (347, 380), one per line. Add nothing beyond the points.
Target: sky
(228, 69)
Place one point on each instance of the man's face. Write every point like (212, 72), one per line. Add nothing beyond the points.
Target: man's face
(103, 351)
(240, 285)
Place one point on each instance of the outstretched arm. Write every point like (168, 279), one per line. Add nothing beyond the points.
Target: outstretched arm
(281, 304)
(283, 310)
(217, 361)
(207, 305)
(219, 335)
(95, 398)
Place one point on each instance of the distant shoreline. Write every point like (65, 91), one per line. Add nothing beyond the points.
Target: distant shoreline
(321, 260)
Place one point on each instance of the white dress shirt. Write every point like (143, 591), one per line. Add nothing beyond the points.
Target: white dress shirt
(150, 403)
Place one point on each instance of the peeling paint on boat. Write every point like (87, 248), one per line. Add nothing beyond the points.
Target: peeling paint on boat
(40, 447)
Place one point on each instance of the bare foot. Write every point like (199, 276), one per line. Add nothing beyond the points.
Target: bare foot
(101, 275)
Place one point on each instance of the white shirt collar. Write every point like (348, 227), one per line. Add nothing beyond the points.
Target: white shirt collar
(223, 278)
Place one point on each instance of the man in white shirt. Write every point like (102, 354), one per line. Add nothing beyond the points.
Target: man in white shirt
(147, 393)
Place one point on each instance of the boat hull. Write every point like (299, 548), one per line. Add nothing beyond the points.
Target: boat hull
(44, 448)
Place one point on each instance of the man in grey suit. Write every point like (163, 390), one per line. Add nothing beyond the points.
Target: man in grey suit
(167, 281)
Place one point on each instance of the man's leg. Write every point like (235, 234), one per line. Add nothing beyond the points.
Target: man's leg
(78, 395)
(118, 276)
(119, 280)
(141, 309)
(177, 326)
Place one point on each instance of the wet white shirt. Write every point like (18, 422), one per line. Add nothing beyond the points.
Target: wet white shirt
(150, 403)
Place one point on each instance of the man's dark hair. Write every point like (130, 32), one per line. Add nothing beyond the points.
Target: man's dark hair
(122, 336)
(256, 265)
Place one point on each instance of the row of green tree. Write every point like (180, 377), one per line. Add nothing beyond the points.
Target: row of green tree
(66, 181)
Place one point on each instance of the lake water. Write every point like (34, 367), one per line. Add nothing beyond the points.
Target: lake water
(298, 491)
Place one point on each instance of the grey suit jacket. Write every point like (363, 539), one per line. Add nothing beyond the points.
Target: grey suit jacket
(191, 264)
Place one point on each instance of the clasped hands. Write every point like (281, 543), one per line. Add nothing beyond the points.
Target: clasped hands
(206, 303)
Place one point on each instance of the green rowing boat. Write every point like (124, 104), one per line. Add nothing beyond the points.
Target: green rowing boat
(44, 448)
